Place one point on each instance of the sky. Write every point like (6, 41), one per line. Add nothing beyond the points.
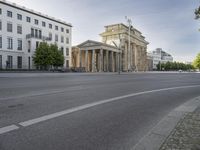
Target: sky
(166, 24)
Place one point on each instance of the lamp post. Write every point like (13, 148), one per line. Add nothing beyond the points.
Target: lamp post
(160, 66)
(129, 21)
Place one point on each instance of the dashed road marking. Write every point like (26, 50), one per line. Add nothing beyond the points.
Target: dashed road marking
(8, 129)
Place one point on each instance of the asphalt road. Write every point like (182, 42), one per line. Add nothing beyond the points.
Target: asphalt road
(87, 111)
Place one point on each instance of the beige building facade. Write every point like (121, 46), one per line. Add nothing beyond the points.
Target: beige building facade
(134, 59)
(113, 53)
(93, 56)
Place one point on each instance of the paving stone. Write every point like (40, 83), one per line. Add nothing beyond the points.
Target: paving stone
(186, 134)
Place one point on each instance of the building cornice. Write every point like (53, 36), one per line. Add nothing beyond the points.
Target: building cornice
(33, 12)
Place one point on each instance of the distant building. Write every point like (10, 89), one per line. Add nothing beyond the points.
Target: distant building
(105, 56)
(149, 62)
(21, 31)
(161, 56)
(93, 56)
(119, 34)
(187, 62)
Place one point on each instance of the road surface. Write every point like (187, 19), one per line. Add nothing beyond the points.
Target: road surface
(43, 111)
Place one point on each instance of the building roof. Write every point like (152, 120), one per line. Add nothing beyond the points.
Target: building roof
(14, 5)
(92, 45)
(122, 25)
(95, 42)
(138, 34)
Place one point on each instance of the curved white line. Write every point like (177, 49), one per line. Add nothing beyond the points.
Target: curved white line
(79, 108)
(86, 106)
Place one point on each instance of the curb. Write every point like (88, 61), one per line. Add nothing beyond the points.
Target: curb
(156, 136)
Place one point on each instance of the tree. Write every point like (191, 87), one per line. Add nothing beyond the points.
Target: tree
(58, 58)
(42, 57)
(172, 66)
(167, 66)
(197, 13)
(196, 62)
(47, 56)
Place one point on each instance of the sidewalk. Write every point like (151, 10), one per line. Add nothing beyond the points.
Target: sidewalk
(186, 135)
(179, 130)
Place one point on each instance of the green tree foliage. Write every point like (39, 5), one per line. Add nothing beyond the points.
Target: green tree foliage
(58, 58)
(197, 13)
(196, 62)
(47, 56)
(173, 66)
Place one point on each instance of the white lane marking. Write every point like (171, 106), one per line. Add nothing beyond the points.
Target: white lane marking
(54, 115)
(75, 109)
(8, 129)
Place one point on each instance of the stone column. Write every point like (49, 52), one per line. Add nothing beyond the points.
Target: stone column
(107, 61)
(80, 58)
(140, 58)
(118, 62)
(112, 62)
(145, 59)
(131, 52)
(93, 60)
(135, 48)
(133, 56)
(116, 59)
(86, 60)
(101, 60)
(125, 65)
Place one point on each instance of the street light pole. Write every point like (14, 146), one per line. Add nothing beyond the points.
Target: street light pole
(129, 21)
(160, 66)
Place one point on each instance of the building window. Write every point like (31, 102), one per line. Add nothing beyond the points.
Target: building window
(0, 41)
(29, 46)
(0, 25)
(19, 62)
(9, 14)
(9, 27)
(62, 50)
(50, 36)
(67, 63)
(67, 40)
(56, 27)
(37, 44)
(36, 33)
(9, 62)
(43, 24)
(19, 41)
(19, 16)
(19, 29)
(67, 51)
(10, 43)
(40, 34)
(62, 29)
(29, 62)
(50, 26)
(56, 38)
(67, 30)
(32, 32)
(36, 22)
(28, 19)
(0, 11)
(62, 39)
(1, 62)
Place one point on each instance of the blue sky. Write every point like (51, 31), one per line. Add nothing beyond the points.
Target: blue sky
(168, 24)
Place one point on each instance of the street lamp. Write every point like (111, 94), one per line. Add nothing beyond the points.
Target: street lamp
(119, 55)
(129, 21)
